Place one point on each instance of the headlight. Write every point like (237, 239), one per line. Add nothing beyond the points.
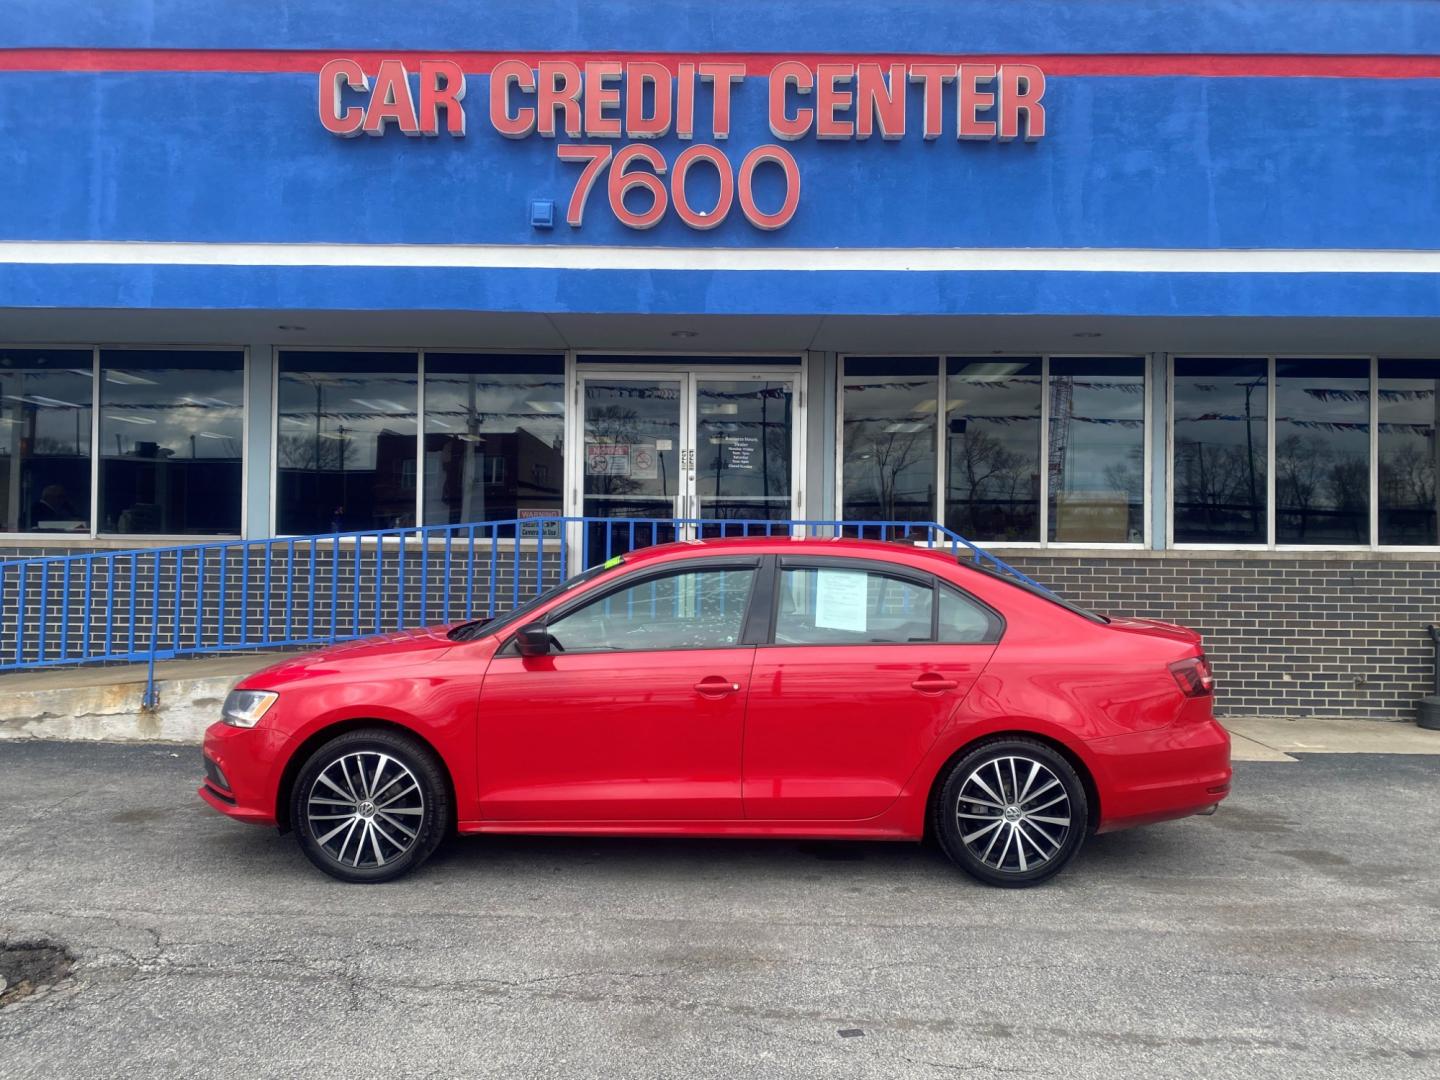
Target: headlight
(244, 708)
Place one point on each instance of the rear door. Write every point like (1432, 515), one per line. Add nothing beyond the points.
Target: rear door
(866, 665)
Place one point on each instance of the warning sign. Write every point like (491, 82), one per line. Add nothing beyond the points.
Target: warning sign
(607, 459)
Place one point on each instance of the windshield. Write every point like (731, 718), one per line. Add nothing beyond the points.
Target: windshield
(471, 630)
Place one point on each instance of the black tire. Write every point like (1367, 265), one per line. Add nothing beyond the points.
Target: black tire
(353, 806)
(973, 820)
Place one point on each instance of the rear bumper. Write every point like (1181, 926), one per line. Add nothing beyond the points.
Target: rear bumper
(241, 773)
(1170, 772)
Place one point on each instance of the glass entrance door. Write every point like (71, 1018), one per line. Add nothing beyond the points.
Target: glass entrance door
(662, 446)
(744, 448)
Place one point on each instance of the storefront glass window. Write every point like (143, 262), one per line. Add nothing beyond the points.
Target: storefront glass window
(1221, 449)
(345, 441)
(1409, 412)
(1097, 450)
(992, 469)
(172, 429)
(45, 418)
(1322, 451)
(889, 406)
(494, 437)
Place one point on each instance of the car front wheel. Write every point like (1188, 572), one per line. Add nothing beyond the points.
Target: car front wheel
(370, 805)
(1012, 813)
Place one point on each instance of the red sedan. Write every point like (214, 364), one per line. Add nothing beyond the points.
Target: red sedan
(756, 687)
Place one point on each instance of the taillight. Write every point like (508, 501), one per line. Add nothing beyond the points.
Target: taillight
(1193, 676)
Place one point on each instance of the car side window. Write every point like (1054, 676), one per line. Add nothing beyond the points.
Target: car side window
(698, 609)
(851, 607)
(962, 620)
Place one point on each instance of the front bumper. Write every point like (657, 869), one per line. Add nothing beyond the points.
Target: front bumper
(242, 772)
(1170, 772)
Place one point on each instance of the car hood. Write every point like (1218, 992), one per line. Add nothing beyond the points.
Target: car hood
(410, 647)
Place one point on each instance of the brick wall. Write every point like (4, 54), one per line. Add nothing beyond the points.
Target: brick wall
(1288, 636)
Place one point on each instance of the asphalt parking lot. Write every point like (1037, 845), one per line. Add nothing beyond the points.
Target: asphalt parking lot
(1296, 933)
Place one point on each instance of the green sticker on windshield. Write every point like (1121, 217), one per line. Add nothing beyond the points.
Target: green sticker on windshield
(610, 564)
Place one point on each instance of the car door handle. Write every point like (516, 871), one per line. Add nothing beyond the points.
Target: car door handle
(716, 685)
(933, 684)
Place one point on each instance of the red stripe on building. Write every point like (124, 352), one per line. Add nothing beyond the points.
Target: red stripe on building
(309, 61)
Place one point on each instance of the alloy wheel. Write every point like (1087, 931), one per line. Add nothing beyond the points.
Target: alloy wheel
(1013, 814)
(365, 809)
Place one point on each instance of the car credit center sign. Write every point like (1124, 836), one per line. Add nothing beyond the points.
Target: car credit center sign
(563, 99)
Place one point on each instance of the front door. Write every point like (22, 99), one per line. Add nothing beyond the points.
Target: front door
(638, 713)
(670, 454)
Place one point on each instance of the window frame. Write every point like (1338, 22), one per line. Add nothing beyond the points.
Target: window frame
(1271, 360)
(942, 449)
(911, 574)
(643, 574)
(96, 381)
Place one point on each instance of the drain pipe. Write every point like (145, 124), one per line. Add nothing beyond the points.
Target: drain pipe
(1430, 706)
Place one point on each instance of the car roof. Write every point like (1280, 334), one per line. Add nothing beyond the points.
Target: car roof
(887, 550)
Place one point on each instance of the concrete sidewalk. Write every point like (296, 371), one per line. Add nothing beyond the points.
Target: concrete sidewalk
(1265, 738)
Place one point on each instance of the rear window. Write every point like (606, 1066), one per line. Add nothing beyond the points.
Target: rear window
(1036, 590)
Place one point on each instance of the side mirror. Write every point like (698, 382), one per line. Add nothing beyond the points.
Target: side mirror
(533, 639)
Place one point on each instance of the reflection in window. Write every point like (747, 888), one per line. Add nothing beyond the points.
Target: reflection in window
(1409, 409)
(171, 435)
(1220, 451)
(992, 471)
(345, 443)
(701, 609)
(1097, 450)
(889, 407)
(45, 439)
(742, 441)
(1322, 451)
(494, 437)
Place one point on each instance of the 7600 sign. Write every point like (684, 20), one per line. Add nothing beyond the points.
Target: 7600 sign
(627, 174)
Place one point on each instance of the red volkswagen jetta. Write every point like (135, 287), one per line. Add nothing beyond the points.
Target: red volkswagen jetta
(757, 687)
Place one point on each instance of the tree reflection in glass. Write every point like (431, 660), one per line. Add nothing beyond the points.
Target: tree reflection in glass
(1409, 412)
(992, 470)
(889, 436)
(1322, 451)
(1220, 450)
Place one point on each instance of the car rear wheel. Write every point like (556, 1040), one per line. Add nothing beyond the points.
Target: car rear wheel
(370, 805)
(1012, 813)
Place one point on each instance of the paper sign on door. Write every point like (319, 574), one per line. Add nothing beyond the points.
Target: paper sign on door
(840, 597)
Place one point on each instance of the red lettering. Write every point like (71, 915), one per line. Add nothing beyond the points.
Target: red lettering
(391, 101)
(762, 155)
(558, 87)
(783, 75)
(830, 99)
(595, 158)
(622, 181)
(877, 100)
(1021, 88)
(970, 99)
(933, 77)
(684, 101)
(722, 75)
(334, 76)
(506, 74)
(700, 219)
(442, 86)
(599, 97)
(637, 77)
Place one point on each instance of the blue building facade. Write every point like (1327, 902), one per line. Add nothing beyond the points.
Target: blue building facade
(1143, 295)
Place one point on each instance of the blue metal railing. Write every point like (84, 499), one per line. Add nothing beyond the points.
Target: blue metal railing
(246, 595)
